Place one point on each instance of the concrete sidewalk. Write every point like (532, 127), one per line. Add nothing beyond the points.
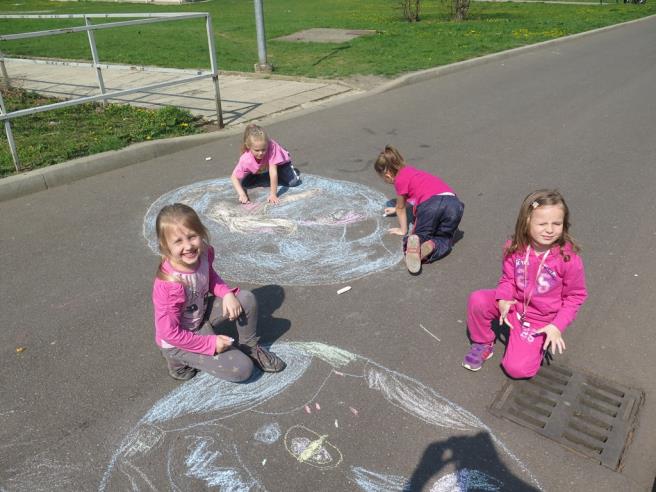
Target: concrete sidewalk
(245, 97)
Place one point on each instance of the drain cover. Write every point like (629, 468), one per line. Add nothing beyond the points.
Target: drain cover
(582, 412)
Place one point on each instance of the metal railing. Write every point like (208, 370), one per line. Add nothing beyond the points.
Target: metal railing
(104, 95)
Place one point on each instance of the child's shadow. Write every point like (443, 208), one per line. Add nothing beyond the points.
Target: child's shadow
(269, 299)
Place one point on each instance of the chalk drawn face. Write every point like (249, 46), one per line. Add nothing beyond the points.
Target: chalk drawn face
(323, 232)
(331, 417)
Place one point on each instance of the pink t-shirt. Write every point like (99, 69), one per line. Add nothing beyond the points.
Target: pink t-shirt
(179, 307)
(248, 164)
(417, 186)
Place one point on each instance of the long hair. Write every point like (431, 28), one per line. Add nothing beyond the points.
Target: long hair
(253, 132)
(389, 160)
(170, 216)
(540, 198)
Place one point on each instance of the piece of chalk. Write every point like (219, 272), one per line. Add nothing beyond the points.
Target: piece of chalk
(208, 158)
(344, 289)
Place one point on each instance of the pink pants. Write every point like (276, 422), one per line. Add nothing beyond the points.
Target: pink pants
(524, 351)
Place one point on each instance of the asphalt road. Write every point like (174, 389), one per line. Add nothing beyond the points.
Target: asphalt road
(77, 275)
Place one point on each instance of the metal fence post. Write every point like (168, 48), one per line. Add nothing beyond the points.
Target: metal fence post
(3, 70)
(94, 55)
(215, 70)
(10, 135)
(262, 65)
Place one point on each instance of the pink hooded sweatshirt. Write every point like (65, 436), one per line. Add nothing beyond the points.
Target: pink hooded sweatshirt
(555, 296)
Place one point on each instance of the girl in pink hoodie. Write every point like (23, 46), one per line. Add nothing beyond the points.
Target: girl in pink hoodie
(540, 291)
(191, 302)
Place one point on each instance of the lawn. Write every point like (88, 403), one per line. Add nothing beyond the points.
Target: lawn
(397, 47)
(57, 136)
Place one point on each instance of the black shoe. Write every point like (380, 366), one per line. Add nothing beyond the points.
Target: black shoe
(183, 373)
(265, 360)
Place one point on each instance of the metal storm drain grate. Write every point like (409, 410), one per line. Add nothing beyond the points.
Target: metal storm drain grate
(584, 413)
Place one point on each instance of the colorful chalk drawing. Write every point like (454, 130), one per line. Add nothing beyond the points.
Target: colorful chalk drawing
(190, 439)
(323, 232)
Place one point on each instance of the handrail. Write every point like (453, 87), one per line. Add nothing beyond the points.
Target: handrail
(145, 18)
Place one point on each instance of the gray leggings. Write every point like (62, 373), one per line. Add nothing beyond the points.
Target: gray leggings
(232, 364)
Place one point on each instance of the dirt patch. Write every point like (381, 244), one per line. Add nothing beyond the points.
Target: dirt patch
(325, 35)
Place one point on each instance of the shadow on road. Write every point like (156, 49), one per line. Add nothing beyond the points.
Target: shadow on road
(474, 461)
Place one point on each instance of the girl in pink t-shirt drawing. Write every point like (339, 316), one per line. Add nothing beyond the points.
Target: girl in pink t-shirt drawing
(436, 208)
(191, 302)
(263, 162)
(540, 291)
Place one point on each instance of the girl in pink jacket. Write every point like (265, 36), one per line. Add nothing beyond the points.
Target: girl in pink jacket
(540, 291)
(191, 302)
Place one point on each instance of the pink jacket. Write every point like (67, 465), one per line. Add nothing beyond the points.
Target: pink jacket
(553, 297)
(180, 306)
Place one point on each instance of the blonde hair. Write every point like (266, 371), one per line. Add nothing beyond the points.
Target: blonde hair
(253, 132)
(390, 161)
(170, 216)
(540, 198)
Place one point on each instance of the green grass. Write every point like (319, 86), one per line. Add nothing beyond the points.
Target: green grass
(57, 136)
(397, 47)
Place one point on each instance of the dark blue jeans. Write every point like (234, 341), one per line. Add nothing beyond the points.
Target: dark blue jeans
(437, 220)
(287, 176)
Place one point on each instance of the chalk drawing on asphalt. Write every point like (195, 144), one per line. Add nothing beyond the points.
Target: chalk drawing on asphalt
(193, 438)
(323, 232)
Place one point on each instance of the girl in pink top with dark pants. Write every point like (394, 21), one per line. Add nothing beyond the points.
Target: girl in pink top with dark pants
(263, 162)
(436, 208)
(540, 291)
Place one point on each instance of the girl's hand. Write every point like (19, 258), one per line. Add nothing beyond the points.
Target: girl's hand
(553, 337)
(223, 343)
(396, 231)
(389, 210)
(504, 308)
(243, 198)
(273, 199)
(231, 307)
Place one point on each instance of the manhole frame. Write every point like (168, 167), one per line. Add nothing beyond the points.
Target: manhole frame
(587, 428)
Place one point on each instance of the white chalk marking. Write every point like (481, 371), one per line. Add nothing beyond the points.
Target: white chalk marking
(422, 327)
(317, 406)
(344, 289)
(307, 409)
(336, 424)
(208, 158)
(264, 462)
(353, 411)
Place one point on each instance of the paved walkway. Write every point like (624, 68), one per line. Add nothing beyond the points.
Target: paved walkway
(244, 97)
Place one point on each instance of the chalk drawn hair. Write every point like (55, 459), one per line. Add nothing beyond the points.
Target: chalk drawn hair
(541, 198)
(253, 133)
(170, 216)
(390, 161)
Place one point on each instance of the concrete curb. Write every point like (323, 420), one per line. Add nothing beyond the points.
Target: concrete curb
(67, 172)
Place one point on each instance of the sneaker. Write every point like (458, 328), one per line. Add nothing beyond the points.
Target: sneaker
(412, 254)
(427, 248)
(265, 360)
(182, 373)
(478, 353)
